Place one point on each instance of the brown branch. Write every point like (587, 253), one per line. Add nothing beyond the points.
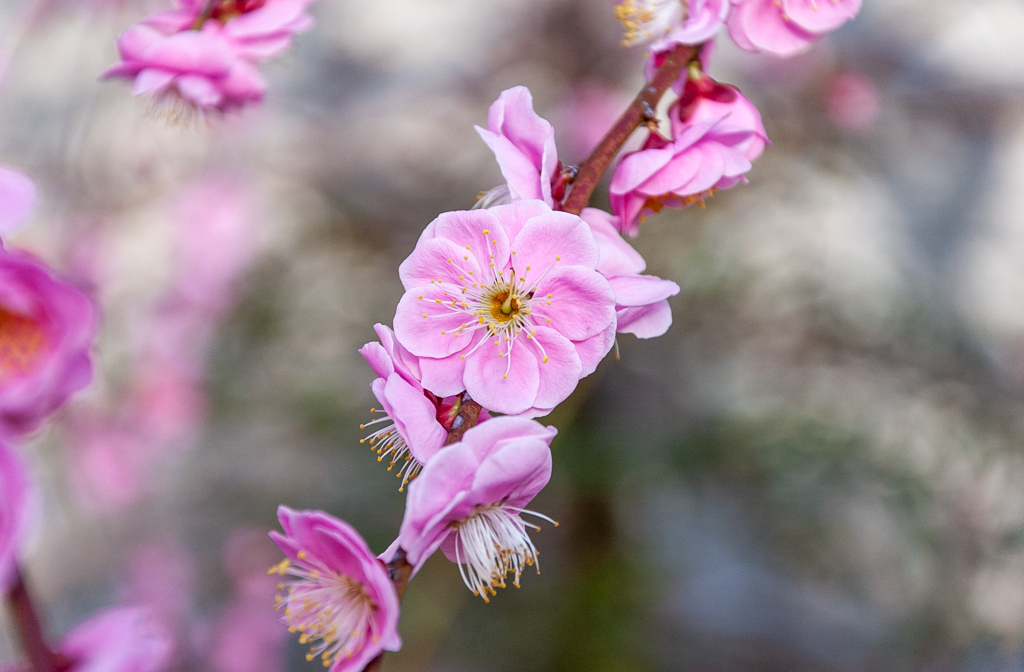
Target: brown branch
(470, 415)
(40, 657)
(641, 110)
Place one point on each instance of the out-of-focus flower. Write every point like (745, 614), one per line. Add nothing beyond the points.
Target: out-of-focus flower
(17, 199)
(335, 591)
(201, 68)
(586, 113)
(419, 420)
(468, 501)
(523, 143)
(663, 24)
(786, 27)
(704, 157)
(15, 492)
(205, 54)
(852, 101)
(46, 331)
(506, 304)
(124, 639)
(641, 301)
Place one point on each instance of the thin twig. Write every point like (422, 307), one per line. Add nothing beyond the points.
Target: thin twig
(640, 111)
(26, 619)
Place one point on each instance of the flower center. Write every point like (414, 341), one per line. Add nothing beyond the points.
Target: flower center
(223, 11)
(22, 342)
(493, 543)
(327, 606)
(649, 20)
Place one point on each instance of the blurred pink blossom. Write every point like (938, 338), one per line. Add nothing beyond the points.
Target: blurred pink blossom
(663, 24)
(336, 591)
(17, 199)
(786, 27)
(123, 639)
(469, 499)
(585, 115)
(47, 327)
(15, 511)
(852, 101)
(506, 304)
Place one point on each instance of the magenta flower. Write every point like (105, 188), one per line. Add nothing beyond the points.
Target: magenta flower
(704, 157)
(118, 640)
(506, 304)
(468, 501)
(17, 199)
(189, 70)
(15, 512)
(524, 145)
(641, 301)
(46, 330)
(416, 422)
(786, 27)
(663, 24)
(336, 591)
(208, 61)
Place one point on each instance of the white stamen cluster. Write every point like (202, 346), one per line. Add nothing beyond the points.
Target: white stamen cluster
(499, 195)
(492, 543)
(646, 21)
(504, 306)
(326, 606)
(388, 441)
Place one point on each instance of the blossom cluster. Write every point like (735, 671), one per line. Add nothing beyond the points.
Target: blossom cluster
(507, 306)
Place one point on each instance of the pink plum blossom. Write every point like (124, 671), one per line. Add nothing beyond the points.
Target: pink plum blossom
(704, 157)
(852, 101)
(17, 199)
(15, 492)
(201, 68)
(641, 301)
(335, 591)
(663, 24)
(124, 639)
(469, 500)
(524, 145)
(419, 420)
(507, 305)
(47, 328)
(786, 27)
(208, 61)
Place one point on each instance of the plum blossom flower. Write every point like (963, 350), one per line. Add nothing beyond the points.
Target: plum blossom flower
(46, 331)
(469, 502)
(641, 301)
(507, 305)
(786, 27)
(15, 513)
(335, 591)
(419, 420)
(663, 24)
(703, 157)
(124, 639)
(523, 142)
(17, 199)
(203, 55)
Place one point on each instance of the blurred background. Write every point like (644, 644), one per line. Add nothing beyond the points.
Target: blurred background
(819, 467)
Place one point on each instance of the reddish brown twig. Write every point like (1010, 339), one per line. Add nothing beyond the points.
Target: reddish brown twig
(40, 657)
(640, 111)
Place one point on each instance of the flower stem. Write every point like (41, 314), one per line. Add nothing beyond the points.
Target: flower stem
(40, 657)
(641, 110)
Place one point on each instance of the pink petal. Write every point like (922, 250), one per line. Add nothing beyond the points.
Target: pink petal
(641, 290)
(429, 328)
(514, 215)
(378, 359)
(820, 16)
(515, 473)
(466, 229)
(17, 199)
(520, 172)
(436, 260)
(199, 90)
(560, 367)
(150, 80)
(443, 376)
(617, 256)
(763, 26)
(503, 382)
(594, 349)
(581, 303)
(415, 417)
(646, 321)
(556, 240)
